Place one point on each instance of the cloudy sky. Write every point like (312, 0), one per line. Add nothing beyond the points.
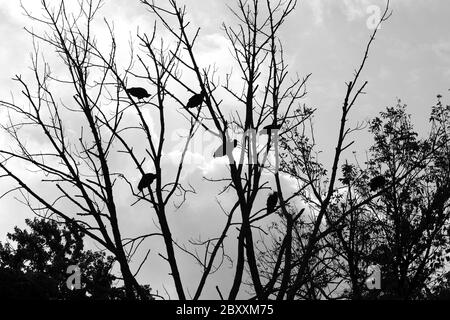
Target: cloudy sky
(410, 60)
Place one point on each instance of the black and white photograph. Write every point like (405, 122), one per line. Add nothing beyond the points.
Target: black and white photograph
(250, 154)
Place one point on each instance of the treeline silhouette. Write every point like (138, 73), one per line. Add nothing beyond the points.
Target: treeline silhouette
(34, 265)
(291, 226)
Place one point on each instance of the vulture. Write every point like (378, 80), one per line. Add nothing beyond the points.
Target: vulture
(146, 181)
(272, 201)
(270, 127)
(225, 148)
(196, 100)
(377, 183)
(138, 92)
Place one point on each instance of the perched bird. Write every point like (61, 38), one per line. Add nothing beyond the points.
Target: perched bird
(377, 183)
(225, 148)
(196, 100)
(270, 127)
(146, 181)
(138, 92)
(272, 201)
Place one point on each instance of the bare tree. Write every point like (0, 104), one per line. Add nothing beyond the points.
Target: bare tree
(304, 259)
(78, 181)
(318, 189)
(259, 54)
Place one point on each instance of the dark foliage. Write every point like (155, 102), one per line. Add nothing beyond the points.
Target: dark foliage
(33, 264)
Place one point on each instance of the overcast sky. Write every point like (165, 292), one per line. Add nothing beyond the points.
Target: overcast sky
(410, 60)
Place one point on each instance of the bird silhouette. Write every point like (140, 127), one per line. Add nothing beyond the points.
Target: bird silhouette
(272, 201)
(377, 183)
(138, 92)
(146, 181)
(270, 127)
(196, 100)
(225, 148)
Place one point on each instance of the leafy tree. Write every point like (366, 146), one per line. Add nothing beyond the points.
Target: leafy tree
(34, 263)
(393, 212)
(404, 226)
(413, 208)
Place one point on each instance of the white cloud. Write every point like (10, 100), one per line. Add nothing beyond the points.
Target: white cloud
(355, 9)
(212, 47)
(442, 50)
(317, 10)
